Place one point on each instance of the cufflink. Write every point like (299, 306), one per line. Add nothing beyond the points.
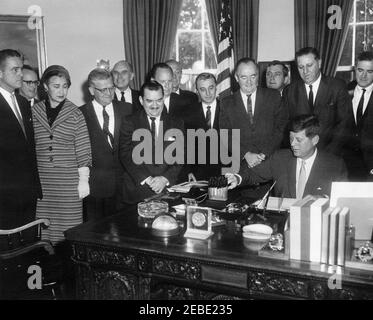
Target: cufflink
(371, 172)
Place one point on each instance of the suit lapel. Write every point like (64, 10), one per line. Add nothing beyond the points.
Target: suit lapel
(258, 102)
(217, 111)
(242, 113)
(292, 171)
(312, 182)
(321, 94)
(40, 113)
(117, 124)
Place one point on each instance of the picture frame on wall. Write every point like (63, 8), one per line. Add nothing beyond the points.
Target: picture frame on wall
(26, 35)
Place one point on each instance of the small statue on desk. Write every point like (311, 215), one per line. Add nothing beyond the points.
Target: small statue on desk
(365, 252)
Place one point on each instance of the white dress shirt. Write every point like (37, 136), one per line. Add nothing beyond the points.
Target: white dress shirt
(315, 88)
(157, 121)
(8, 97)
(110, 111)
(253, 99)
(308, 165)
(357, 95)
(213, 110)
(127, 94)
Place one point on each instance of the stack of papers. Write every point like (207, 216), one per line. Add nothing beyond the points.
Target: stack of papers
(186, 186)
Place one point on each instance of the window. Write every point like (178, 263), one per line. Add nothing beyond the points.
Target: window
(359, 37)
(193, 43)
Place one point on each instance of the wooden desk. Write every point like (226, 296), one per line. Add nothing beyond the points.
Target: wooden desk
(115, 258)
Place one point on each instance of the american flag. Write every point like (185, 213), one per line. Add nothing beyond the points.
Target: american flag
(225, 50)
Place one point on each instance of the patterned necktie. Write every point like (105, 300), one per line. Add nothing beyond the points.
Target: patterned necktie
(105, 127)
(208, 116)
(301, 180)
(250, 108)
(122, 98)
(18, 115)
(310, 99)
(359, 112)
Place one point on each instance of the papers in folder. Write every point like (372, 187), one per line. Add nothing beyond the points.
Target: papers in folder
(277, 204)
(186, 186)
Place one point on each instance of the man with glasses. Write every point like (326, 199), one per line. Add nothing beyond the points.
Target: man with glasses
(103, 117)
(30, 83)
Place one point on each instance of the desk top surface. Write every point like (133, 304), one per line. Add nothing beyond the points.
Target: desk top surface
(126, 231)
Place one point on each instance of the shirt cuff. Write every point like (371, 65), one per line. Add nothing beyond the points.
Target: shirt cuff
(144, 181)
(239, 178)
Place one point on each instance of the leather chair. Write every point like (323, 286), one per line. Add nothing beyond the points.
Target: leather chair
(26, 262)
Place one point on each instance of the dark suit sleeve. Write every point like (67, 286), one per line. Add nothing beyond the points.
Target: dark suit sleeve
(138, 173)
(341, 130)
(172, 172)
(280, 119)
(259, 174)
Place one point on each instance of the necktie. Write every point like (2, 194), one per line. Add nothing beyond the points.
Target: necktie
(122, 98)
(152, 128)
(310, 99)
(301, 180)
(359, 112)
(208, 116)
(17, 113)
(250, 108)
(105, 127)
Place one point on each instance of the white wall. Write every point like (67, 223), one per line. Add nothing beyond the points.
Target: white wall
(276, 30)
(78, 32)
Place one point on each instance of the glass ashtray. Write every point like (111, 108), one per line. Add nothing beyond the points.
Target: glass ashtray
(151, 208)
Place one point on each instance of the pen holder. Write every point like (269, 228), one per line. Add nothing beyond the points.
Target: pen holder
(220, 194)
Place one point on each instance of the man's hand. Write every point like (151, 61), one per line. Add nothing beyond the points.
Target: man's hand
(232, 180)
(157, 184)
(253, 159)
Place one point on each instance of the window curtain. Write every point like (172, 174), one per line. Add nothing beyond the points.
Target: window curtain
(311, 30)
(245, 19)
(149, 32)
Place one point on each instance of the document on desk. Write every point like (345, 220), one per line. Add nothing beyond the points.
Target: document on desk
(186, 186)
(276, 204)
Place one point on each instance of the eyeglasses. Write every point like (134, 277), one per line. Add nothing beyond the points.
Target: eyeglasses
(30, 83)
(105, 90)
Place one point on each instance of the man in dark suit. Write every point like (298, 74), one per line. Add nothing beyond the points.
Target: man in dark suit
(127, 97)
(205, 115)
(148, 171)
(300, 171)
(30, 82)
(277, 76)
(359, 149)
(257, 112)
(104, 118)
(19, 179)
(187, 97)
(174, 104)
(323, 96)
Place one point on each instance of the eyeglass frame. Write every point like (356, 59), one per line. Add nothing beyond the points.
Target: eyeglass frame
(105, 90)
(30, 82)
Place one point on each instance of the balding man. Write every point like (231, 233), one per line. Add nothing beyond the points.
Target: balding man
(122, 76)
(187, 97)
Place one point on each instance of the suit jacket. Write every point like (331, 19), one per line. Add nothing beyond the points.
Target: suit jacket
(180, 102)
(266, 133)
(360, 141)
(106, 173)
(194, 118)
(18, 167)
(134, 173)
(281, 166)
(332, 105)
(130, 107)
